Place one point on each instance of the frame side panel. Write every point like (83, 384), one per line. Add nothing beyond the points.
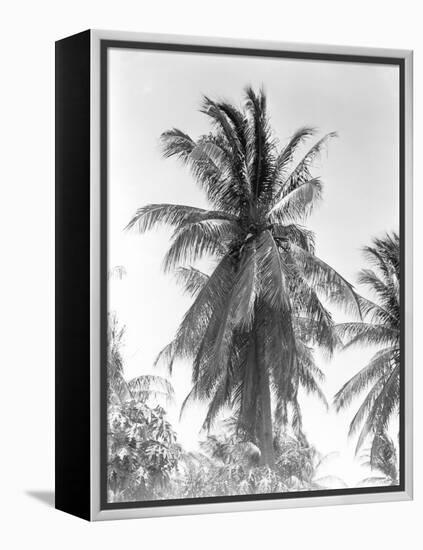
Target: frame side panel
(72, 369)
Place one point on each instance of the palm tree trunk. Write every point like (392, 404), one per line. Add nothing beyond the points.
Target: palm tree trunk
(265, 424)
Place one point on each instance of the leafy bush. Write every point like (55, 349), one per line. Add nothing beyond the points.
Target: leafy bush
(142, 447)
(142, 452)
(228, 466)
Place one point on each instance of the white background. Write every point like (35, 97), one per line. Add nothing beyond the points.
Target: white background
(28, 30)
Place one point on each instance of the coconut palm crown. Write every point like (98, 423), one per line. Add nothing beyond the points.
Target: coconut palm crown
(380, 327)
(251, 323)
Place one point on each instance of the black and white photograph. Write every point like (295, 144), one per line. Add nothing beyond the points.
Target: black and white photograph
(253, 276)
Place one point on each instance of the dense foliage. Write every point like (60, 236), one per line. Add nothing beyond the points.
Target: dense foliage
(145, 461)
(228, 466)
(142, 452)
(142, 447)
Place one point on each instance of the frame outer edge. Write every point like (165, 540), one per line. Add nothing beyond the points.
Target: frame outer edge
(95, 324)
(104, 34)
(408, 242)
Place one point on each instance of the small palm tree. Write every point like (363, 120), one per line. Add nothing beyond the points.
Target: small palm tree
(141, 388)
(381, 327)
(382, 458)
(239, 331)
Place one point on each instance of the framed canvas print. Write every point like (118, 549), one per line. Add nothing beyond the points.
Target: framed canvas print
(233, 275)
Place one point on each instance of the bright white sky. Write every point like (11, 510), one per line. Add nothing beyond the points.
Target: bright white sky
(151, 92)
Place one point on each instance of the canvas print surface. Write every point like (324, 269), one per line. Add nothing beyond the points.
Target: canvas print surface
(253, 276)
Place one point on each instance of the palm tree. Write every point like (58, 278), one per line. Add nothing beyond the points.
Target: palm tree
(382, 458)
(141, 388)
(239, 332)
(381, 327)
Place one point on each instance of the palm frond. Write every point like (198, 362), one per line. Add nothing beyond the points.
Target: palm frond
(313, 332)
(211, 298)
(307, 378)
(166, 356)
(210, 162)
(212, 109)
(297, 419)
(385, 403)
(286, 156)
(246, 288)
(191, 396)
(375, 312)
(259, 145)
(176, 215)
(208, 150)
(147, 385)
(380, 364)
(273, 273)
(387, 290)
(238, 312)
(298, 203)
(195, 240)
(176, 143)
(236, 118)
(314, 323)
(191, 279)
(326, 280)
(370, 334)
(301, 172)
(365, 407)
(384, 255)
(221, 398)
(383, 456)
(294, 233)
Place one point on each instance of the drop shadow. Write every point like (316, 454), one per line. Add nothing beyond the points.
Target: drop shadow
(46, 497)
